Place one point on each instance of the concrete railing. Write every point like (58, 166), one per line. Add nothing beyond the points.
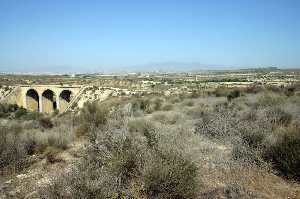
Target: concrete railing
(76, 98)
(3, 98)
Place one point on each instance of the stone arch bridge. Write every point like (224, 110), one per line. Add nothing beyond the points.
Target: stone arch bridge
(46, 98)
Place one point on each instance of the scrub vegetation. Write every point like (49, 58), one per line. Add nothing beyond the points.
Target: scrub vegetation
(226, 143)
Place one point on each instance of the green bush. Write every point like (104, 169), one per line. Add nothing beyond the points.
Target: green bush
(146, 128)
(174, 100)
(145, 105)
(253, 89)
(59, 138)
(278, 116)
(167, 107)
(40, 141)
(12, 107)
(275, 89)
(269, 99)
(55, 112)
(233, 94)
(94, 114)
(157, 104)
(20, 112)
(106, 169)
(189, 103)
(87, 181)
(81, 130)
(46, 122)
(284, 153)
(194, 94)
(251, 115)
(170, 118)
(8, 108)
(241, 152)
(51, 155)
(126, 160)
(32, 116)
(253, 137)
(198, 111)
(170, 175)
(135, 105)
(221, 92)
(30, 146)
(290, 91)
(12, 148)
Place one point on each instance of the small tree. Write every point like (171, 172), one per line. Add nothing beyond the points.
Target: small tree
(93, 114)
(233, 94)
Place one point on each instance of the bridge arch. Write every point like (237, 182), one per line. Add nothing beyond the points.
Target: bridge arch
(64, 99)
(49, 103)
(32, 100)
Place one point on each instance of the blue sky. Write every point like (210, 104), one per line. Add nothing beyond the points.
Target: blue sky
(111, 35)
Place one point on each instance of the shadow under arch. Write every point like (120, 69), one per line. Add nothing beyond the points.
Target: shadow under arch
(48, 101)
(64, 99)
(32, 100)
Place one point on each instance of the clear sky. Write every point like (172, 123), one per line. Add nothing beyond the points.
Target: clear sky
(109, 35)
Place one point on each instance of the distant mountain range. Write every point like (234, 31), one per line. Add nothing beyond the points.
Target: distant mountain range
(164, 67)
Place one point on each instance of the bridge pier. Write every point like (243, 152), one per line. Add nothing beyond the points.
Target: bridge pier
(40, 103)
(57, 102)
